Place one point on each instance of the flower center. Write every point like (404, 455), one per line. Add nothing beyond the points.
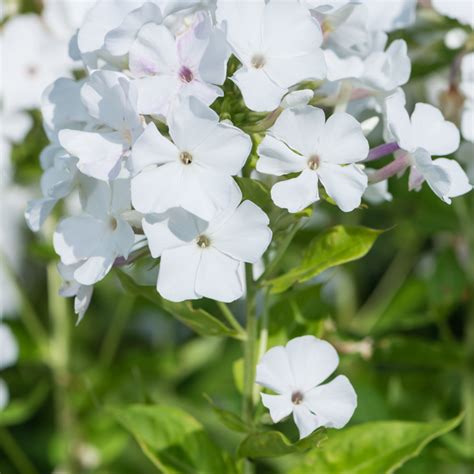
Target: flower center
(258, 61)
(203, 241)
(186, 157)
(296, 397)
(185, 74)
(113, 223)
(314, 162)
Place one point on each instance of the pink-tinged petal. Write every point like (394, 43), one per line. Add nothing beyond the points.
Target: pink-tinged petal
(178, 273)
(301, 128)
(333, 403)
(305, 420)
(297, 193)
(280, 406)
(152, 148)
(245, 235)
(260, 93)
(277, 159)
(311, 360)
(218, 276)
(344, 184)
(343, 140)
(432, 132)
(274, 371)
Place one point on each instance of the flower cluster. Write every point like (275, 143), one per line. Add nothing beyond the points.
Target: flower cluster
(141, 136)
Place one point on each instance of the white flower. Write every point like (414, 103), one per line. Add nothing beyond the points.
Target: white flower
(194, 170)
(111, 101)
(31, 59)
(392, 15)
(9, 347)
(423, 135)
(204, 259)
(377, 193)
(460, 10)
(278, 45)
(168, 69)
(302, 142)
(71, 288)
(95, 239)
(295, 372)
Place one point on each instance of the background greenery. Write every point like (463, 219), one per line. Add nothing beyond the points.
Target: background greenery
(402, 318)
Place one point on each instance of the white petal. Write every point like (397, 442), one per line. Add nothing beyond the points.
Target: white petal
(311, 360)
(205, 192)
(277, 159)
(467, 123)
(152, 148)
(432, 132)
(300, 128)
(213, 66)
(178, 273)
(274, 371)
(226, 150)
(245, 235)
(398, 122)
(260, 93)
(38, 211)
(156, 190)
(98, 153)
(218, 276)
(344, 184)
(82, 301)
(459, 181)
(280, 406)
(156, 93)
(333, 403)
(305, 420)
(191, 123)
(436, 177)
(297, 193)
(94, 269)
(343, 140)
(297, 98)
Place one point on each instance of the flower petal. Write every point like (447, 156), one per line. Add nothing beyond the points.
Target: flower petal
(94, 269)
(218, 276)
(280, 406)
(297, 193)
(458, 179)
(312, 361)
(398, 122)
(274, 371)
(344, 184)
(333, 403)
(305, 420)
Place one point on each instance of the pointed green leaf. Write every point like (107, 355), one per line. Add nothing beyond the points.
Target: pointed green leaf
(333, 247)
(373, 448)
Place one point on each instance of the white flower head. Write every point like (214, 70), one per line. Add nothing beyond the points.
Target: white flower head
(111, 101)
(278, 44)
(94, 240)
(295, 372)
(195, 169)
(204, 259)
(301, 141)
(423, 135)
(170, 68)
(460, 10)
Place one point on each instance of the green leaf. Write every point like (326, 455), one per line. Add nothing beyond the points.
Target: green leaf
(197, 319)
(373, 448)
(20, 410)
(334, 246)
(274, 443)
(255, 191)
(229, 419)
(173, 440)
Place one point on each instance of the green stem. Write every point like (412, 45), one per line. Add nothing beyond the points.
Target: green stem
(12, 449)
(230, 318)
(250, 349)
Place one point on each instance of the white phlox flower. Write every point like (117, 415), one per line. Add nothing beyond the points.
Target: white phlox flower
(460, 10)
(295, 372)
(111, 101)
(71, 288)
(93, 240)
(423, 135)
(204, 259)
(169, 68)
(302, 141)
(278, 45)
(376, 193)
(195, 169)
